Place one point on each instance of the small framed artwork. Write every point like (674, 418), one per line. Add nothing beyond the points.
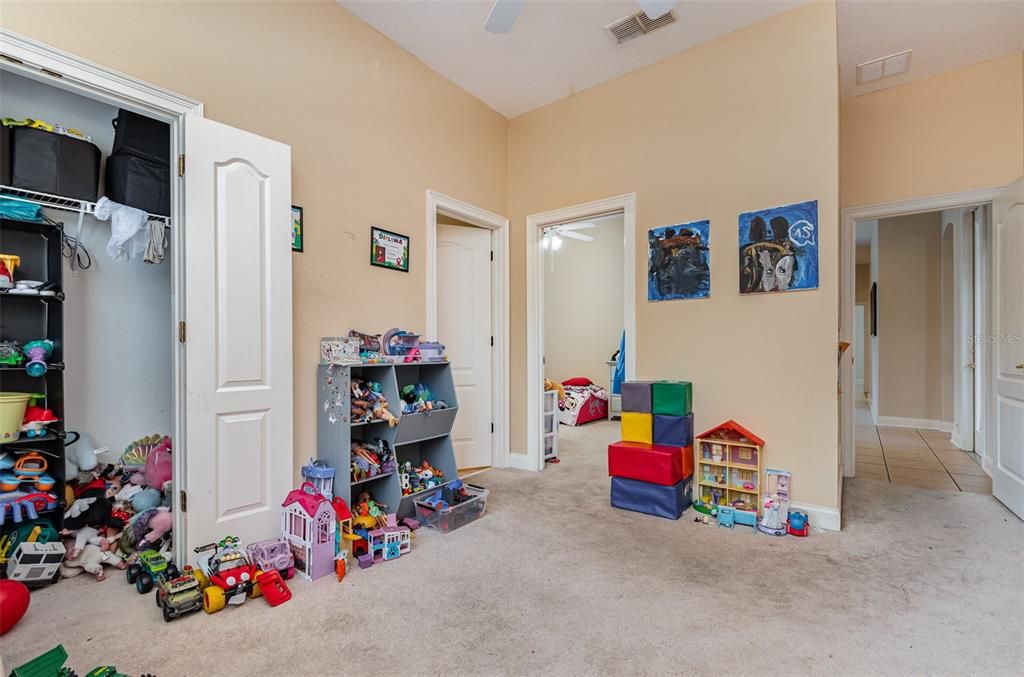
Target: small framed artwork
(297, 234)
(389, 250)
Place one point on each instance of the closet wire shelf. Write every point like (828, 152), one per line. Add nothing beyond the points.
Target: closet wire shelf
(68, 204)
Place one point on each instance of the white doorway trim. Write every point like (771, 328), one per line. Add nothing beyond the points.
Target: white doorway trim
(847, 284)
(439, 203)
(39, 61)
(535, 223)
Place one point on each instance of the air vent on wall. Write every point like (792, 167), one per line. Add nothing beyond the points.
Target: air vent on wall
(638, 24)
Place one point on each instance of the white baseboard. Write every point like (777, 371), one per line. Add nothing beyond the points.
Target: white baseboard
(925, 423)
(519, 462)
(820, 516)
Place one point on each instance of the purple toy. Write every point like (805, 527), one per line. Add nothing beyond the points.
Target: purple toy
(37, 353)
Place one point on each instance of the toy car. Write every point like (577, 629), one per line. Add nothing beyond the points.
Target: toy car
(273, 553)
(225, 574)
(149, 567)
(179, 596)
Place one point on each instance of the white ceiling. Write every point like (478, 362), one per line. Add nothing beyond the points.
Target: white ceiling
(557, 47)
(944, 34)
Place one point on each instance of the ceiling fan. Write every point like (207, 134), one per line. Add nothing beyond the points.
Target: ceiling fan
(553, 236)
(505, 12)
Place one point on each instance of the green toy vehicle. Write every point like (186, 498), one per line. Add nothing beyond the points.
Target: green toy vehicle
(149, 567)
(179, 596)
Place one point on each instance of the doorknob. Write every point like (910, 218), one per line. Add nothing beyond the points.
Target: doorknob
(1021, 365)
(970, 365)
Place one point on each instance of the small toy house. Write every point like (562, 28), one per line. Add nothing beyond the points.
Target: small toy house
(321, 476)
(729, 463)
(386, 543)
(308, 523)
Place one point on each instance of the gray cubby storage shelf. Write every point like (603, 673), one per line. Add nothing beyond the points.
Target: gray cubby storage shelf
(416, 438)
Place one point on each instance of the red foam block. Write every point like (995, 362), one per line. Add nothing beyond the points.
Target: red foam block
(646, 462)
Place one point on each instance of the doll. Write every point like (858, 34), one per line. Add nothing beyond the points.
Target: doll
(90, 558)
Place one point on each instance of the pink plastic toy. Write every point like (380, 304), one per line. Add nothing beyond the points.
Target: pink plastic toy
(308, 523)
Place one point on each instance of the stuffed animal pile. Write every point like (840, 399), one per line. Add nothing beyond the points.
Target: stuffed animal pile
(118, 510)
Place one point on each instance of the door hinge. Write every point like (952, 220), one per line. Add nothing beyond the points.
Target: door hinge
(492, 255)
(492, 428)
(181, 165)
(183, 500)
(492, 341)
(181, 332)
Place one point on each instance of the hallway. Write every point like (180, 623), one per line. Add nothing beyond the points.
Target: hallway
(922, 458)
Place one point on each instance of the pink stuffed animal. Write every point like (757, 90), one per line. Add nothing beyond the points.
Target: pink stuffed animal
(158, 468)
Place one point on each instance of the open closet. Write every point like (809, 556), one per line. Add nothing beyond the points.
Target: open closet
(145, 314)
(87, 323)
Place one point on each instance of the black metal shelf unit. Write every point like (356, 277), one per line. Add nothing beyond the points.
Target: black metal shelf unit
(24, 319)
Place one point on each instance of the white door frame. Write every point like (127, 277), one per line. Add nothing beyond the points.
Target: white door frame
(498, 225)
(39, 61)
(535, 223)
(847, 283)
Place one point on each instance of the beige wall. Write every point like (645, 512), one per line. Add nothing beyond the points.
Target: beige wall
(959, 130)
(732, 125)
(910, 317)
(370, 126)
(583, 304)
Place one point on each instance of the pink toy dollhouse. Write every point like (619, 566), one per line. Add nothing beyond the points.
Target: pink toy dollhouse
(308, 523)
(386, 543)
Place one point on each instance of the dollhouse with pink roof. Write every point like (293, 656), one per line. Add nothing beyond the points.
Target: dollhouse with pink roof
(308, 523)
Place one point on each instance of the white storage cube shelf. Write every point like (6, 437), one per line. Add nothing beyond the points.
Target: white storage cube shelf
(416, 438)
(550, 424)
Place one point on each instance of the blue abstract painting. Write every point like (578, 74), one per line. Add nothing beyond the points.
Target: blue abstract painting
(779, 249)
(678, 261)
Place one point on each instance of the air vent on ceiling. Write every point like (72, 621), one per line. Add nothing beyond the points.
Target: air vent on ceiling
(886, 67)
(638, 24)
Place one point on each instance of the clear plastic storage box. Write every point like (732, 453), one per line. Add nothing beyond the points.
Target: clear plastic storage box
(454, 515)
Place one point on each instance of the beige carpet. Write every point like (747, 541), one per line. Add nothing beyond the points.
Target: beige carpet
(554, 581)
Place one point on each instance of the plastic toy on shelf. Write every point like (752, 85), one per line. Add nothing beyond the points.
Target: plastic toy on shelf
(416, 479)
(36, 419)
(22, 504)
(38, 353)
(398, 343)
(10, 354)
(369, 461)
(321, 476)
(369, 403)
(29, 467)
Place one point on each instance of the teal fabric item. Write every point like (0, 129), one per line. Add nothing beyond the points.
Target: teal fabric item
(620, 367)
(20, 211)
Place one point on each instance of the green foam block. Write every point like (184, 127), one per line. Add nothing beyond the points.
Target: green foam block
(673, 398)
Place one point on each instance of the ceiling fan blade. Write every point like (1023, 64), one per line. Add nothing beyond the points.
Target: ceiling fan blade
(503, 16)
(656, 8)
(583, 225)
(576, 236)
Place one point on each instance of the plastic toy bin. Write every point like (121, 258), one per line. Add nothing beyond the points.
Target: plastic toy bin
(456, 515)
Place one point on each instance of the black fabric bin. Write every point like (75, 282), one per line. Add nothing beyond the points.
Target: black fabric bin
(46, 162)
(142, 136)
(139, 182)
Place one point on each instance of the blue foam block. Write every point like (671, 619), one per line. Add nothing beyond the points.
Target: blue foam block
(673, 431)
(651, 499)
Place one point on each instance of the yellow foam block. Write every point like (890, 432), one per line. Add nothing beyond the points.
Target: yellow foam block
(637, 427)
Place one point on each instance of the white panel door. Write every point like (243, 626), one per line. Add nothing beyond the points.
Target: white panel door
(1008, 356)
(464, 326)
(238, 305)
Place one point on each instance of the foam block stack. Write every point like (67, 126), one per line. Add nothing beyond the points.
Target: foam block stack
(652, 466)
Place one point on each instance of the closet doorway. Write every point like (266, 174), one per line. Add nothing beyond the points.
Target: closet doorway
(467, 310)
(198, 347)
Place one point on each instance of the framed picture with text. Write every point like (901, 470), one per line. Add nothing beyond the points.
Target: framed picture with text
(389, 250)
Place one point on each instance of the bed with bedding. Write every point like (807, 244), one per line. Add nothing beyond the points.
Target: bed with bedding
(584, 402)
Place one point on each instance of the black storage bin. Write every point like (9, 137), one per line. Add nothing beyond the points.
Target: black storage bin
(139, 182)
(35, 159)
(142, 136)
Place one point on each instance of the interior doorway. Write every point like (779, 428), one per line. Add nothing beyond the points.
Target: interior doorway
(913, 268)
(604, 224)
(467, 310)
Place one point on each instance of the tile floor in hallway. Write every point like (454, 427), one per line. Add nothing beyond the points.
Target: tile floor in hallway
(923, 458)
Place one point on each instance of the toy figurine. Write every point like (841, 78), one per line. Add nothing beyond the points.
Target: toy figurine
(91, 558)
(38, 352)
(36, 419)
(10, 354)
